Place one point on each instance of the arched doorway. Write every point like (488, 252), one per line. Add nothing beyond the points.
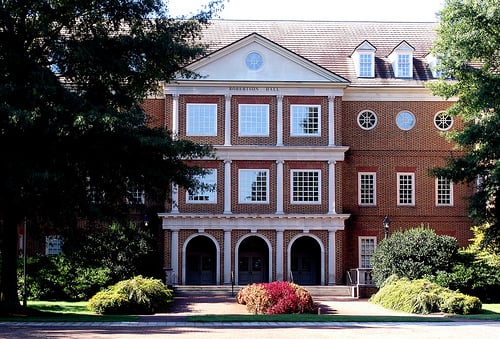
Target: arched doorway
(253, 261)
(305, 261)
(201, 258)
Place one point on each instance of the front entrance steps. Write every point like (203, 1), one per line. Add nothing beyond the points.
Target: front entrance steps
(228, 290)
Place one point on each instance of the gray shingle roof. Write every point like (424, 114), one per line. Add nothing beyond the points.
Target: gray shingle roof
(330, 44)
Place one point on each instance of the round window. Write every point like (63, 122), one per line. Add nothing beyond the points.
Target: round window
(405, 120)
(254, 61)
(367, 120)
(443, 121)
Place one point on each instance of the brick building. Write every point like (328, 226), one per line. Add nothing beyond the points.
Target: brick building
(321, 130)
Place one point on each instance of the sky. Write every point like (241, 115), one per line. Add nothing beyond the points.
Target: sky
(330, 10)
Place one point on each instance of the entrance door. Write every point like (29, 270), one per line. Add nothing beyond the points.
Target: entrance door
(253, 261)
(200, 261)
(306, 261)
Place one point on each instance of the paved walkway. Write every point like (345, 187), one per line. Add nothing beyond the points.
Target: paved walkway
(174, 325)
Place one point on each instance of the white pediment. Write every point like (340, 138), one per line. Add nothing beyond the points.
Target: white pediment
(255, 58)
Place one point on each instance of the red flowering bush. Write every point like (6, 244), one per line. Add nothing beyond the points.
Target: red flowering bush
(278, 297)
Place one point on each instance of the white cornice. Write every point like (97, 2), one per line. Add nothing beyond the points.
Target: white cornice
(253, 222)
(281, 153)
(390, 93)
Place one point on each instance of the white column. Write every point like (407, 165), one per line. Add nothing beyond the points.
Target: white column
(331, 257)
(227, 187)
(279, 187)
(331, 187)
(174, 255)
(279, 121)
(331, 121)
(279, 256)
(175, 198)
(175, 115)
(227, 257)
(227, 121)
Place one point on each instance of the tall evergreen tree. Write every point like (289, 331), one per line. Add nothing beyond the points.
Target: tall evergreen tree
(468, 50)
(73, 75)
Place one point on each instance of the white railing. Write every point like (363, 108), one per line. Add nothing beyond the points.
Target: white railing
(357, 277)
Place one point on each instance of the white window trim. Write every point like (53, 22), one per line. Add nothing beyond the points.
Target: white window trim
(212, 193)
(191, 133)
(319, 188)
(372, 64)
(240, 186)
(305, 134)
(374, 124)
(240, 133)
(360, 240)
(437, 126)
(374, 188)
(437, 195)
(410, 66)
(399, 174)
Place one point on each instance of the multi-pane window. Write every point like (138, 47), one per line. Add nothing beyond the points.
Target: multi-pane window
(367, 120)
(201, 119)
(135, 194)
(404, 66)
(406, 189)
(366, 65)
(444, 192)
(367, 247)
(367, 189)
(253, 120)
(306, 186)
(305, 120)
(53, 244)
(443, 121)
(207, 193)
(253, 186)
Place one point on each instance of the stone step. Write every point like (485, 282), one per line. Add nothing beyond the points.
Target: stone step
(215, 290)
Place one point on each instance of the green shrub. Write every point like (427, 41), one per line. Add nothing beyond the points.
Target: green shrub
(414, 254)
(134, 296)
(278, 297)
(421, 296)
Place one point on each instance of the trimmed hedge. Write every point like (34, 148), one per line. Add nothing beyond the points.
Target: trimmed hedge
(134, 296)
(423, 297)
(279, 297)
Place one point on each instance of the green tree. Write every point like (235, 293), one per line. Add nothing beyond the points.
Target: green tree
(73, 135)
(413, 254)
(468, 50)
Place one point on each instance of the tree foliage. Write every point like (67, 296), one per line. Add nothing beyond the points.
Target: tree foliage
(73, 135)
(413, 254)
(468, 50)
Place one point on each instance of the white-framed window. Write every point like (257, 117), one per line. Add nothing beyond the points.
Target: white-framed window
(135, 195)
(306, 186)
(253, 186)
(53, 244)
(444, 192)
(405, 120)
(402, 60)
(201, 119)
(404, 65)
(367, 120)
(253, 120)
(366, 65)
(367, 188)
(406, 189)
(305, 120)
(207, 194)
(367, 246)
(443, 121)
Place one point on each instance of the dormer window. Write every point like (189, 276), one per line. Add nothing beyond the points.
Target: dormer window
(432, 62)
(402, 60)
(364, 60)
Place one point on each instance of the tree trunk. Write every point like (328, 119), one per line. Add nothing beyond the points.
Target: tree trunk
(9, 300)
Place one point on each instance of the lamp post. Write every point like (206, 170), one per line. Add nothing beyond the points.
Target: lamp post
(386, 224)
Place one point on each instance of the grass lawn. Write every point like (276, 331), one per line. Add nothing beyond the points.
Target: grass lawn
(68, 312)
(77, 312)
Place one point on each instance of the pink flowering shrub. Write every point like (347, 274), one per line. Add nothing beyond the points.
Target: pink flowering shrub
(278, 297)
